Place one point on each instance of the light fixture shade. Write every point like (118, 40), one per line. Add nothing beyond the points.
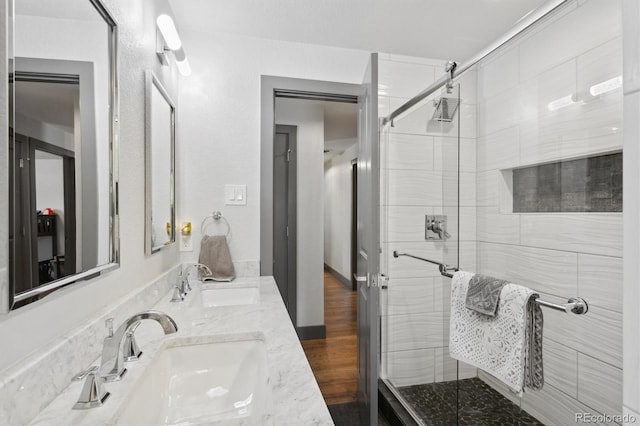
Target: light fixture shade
(180, 55)
(562, 102)
(169, 32)
(606, 86)
(184, 67)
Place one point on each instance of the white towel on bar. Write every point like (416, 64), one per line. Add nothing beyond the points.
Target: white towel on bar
(499, 345)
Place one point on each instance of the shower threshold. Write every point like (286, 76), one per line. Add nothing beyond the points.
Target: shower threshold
(434, 404)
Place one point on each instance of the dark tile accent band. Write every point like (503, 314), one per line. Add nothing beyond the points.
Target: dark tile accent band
(591, 184)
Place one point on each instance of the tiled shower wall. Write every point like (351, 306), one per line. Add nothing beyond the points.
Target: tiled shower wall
(419, 171)
(558, 254)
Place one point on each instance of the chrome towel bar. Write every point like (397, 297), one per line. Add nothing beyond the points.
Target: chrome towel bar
(444, 268)
(575, 305)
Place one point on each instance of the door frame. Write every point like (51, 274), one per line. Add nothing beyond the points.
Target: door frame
(354, 224)
(272, 87)
(25, 261)
(268, 86)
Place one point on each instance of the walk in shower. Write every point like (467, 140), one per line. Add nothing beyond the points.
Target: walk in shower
(513, 171)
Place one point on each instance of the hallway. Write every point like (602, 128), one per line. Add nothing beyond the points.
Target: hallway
(333, 359)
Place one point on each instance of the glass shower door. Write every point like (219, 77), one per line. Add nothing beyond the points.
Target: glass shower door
(420, 194)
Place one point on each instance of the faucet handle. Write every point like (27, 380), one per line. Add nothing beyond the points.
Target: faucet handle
(93, 394)
(109, 324)
(131, 351)
(177, 295)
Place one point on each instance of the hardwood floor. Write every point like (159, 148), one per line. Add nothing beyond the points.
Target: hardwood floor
(334, 359)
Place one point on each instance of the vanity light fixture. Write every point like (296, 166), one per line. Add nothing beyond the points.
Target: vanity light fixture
(562, 102)
(168, 40)
(606, 86)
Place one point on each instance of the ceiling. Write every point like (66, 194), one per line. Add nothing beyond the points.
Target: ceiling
(61, 9)
(438, 29)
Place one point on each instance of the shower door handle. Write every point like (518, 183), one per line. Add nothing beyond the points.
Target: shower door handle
(361, 279)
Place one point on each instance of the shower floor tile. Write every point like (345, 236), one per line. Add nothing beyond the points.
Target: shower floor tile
(479, 404)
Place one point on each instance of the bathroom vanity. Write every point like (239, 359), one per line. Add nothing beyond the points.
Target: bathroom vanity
(235, 359)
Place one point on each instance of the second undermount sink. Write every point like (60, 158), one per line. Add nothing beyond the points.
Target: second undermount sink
(213, 295)
(201, 383)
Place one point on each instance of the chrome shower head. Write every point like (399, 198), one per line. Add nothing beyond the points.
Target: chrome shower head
(445, 109)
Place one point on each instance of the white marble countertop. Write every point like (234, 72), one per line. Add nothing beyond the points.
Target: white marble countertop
(296, 398)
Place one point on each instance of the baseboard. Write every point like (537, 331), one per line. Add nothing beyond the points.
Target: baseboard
(312, 332)
(338, 275)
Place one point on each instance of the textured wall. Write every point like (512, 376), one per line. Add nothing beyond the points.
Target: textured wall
(219, 122)
(559, 254)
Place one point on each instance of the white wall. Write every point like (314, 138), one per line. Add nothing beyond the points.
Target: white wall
(308, 117)
(27, 329)
(337, 213)
(53, 134)
(631, 288)
(219, 123)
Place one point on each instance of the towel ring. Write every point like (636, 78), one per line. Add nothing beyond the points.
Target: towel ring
(216, 216)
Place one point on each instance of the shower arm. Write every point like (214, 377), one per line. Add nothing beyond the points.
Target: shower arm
(450, 68)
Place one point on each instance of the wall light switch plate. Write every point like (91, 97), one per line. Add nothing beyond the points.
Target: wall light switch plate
(235, 195)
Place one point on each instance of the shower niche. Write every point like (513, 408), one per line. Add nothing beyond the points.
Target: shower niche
(592, 184)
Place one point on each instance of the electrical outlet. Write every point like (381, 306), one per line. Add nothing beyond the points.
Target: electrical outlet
(186, 242)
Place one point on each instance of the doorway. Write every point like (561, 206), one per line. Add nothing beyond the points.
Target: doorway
(309, 304)
(43, 175)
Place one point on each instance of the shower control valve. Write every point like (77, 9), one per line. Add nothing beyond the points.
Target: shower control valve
(436, 228)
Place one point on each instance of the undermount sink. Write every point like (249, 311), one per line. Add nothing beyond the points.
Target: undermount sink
(213, 295)
(201, 383)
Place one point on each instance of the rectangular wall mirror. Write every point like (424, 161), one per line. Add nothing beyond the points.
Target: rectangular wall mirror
(160, 112)
(61, 147)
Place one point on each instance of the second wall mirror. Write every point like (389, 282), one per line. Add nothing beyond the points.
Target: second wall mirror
(160, 113)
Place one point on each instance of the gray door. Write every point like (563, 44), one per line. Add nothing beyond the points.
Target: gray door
(368, 246)
(284, 215)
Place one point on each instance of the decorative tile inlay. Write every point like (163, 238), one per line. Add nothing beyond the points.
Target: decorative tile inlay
(591, 184)
(477, 404)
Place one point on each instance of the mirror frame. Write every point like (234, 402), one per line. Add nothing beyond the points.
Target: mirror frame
(152, 81)
(114, 228)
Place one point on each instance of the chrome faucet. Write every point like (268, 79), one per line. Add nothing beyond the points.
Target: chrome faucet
(183, 287)
(111, 368)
